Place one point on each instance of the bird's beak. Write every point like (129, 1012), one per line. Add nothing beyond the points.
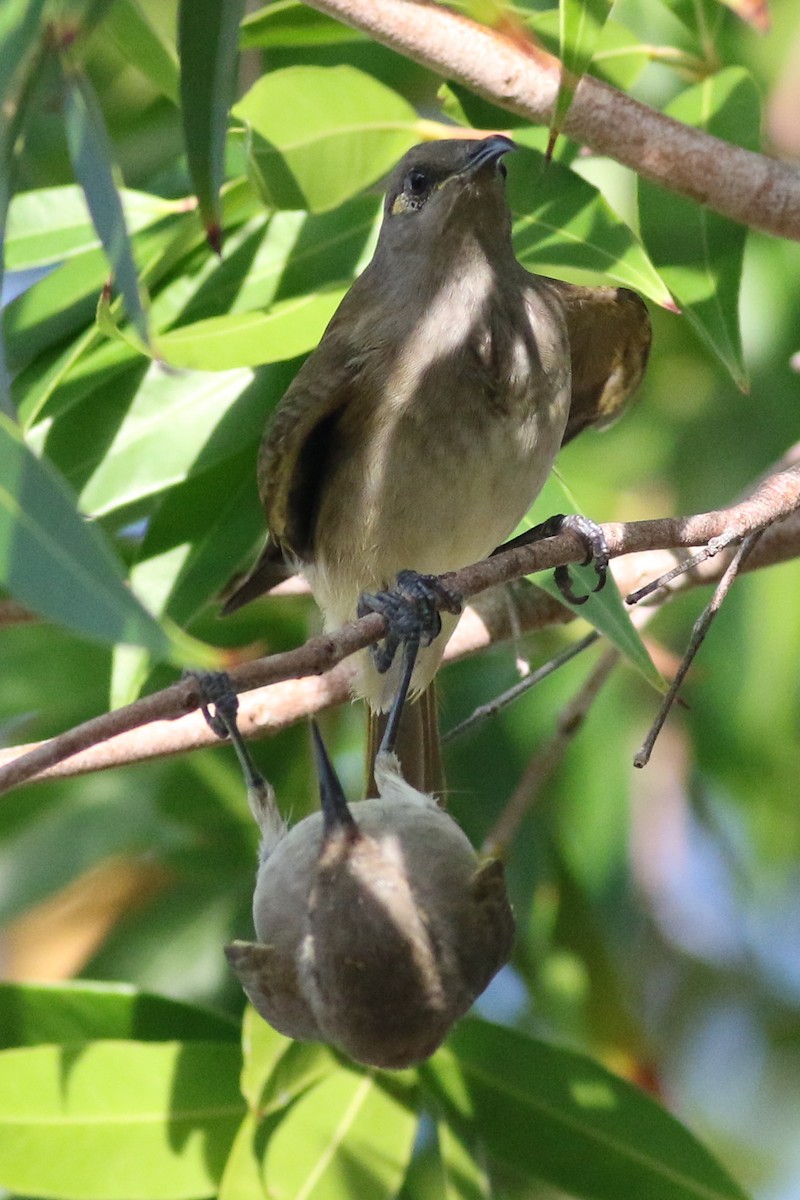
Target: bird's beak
(336, 815)
(489, 150)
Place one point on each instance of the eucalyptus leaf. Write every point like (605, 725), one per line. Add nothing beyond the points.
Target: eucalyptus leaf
(113, 1120)
(703, 268)
(320, 135)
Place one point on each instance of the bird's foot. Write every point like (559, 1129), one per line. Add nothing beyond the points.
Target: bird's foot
(411, 610)
(589, 533)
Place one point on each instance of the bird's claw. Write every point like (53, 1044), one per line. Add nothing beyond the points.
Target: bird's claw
(411, 610)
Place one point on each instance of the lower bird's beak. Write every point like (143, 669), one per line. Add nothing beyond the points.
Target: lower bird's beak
(336, 815)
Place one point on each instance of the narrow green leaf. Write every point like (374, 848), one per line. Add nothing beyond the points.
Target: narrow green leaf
(168, 430)
(289, 329)
(556, 1116)
(56, 563)
(52, 224)
(580, 26)
(290, 23)
(141, 43)
(78, 1011)
(463, 1177)
(208, 32)
(115, 1120)
(92, 161)
(241, 1178)
(703, 267)
(20, 31)
(322, 134)
(262, 1048)
(562, 221)
(346, 1137)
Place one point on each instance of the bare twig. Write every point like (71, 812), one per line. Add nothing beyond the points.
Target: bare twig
(547, 758)
(750, 188)
(292, 696)
(701, 627)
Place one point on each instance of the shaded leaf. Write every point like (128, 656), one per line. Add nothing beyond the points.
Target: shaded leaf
(703, 268)
(208, 33)
(111, 1120)
(140, 43)
(92, 161)
(78, 1011)
(320, 135)
(59, 565)
(556, 1116)
(580, 26)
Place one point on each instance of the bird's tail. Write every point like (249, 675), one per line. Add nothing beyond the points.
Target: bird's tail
(418, 745)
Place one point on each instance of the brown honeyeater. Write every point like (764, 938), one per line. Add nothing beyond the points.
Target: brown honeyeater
(420, 431)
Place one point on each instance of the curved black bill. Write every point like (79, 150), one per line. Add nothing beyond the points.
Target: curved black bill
(490, 150)
(335, 813)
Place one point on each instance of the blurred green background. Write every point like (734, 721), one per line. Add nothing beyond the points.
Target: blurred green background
(659, 911)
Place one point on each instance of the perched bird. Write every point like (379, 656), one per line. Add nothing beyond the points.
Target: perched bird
(377, 923)
(421, 429)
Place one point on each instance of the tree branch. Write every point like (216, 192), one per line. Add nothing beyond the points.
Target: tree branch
(285, 696)
(747, 187)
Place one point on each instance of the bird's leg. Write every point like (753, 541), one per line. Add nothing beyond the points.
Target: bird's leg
(216, 689)
(411, 611)
(587, 531)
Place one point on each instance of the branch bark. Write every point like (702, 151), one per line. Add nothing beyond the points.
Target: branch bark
(285, 696)
(751, 188)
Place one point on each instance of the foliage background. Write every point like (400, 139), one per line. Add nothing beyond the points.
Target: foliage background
(658, 911)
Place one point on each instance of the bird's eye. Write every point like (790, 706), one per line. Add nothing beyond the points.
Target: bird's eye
(416, 182)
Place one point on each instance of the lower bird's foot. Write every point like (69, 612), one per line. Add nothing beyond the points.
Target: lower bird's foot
(411, 610)
(589, 533)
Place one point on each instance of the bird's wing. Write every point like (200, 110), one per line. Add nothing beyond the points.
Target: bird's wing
(609, 335)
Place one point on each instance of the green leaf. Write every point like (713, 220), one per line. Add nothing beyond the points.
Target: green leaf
(556, 1116)
(605, 610)
(92, 161)
(52, 224)
(118, 1120)
(289, 329)
(463, 1177)
(290, 23)
(241, 1179)
(322, 134)
(59, 565)
(580, 27)
(141, 44)
(167, 431)
(20, 31)
(703, 267)
(562, 221)
(346, 1137)
(208, 32)
(262, 1049)
(78, 1011)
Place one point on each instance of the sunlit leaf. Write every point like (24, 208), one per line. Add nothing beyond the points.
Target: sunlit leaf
(703, 268)
(250, 339)
(109, 1120)
(290, 23)
(322, 134)
(556, 1116)
(580, 26)
(52, 224)
(562, 221)
(347, 1136)
(208, 33)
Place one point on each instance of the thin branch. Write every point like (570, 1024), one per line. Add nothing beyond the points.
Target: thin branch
(547, 758)
(295, 696)
(751, 188)
(701, 627)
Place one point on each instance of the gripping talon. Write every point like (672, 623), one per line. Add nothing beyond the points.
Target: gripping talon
(589, 533)
(411, 611)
